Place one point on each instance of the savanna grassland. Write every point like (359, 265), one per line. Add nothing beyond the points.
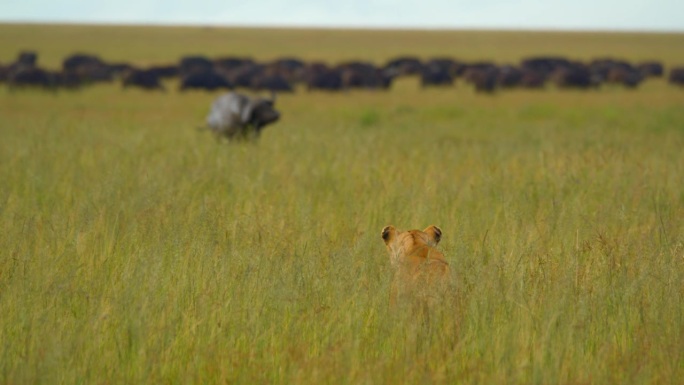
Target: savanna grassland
(136, 249)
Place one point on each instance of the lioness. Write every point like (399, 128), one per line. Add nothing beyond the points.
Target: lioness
(421, 273)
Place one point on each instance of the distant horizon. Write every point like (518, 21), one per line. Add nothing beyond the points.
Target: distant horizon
(338, 27)
(526, 15)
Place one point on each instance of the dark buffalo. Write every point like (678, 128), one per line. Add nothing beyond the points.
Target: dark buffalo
(96, 74)
(532, 79)
(329, 80)
(601, 67)
(227, 64)
(577, 75)
(289, 64)
(483, 76)
(404, 65)
(292, 69)
(4, 72)
(448, 65)
(89, 68)
(120, 69)
(433, 75)
(208, 80)
(545, 65)
(273, 83)
(677, 76)
(145, 79)
(164, 71)
(244, 76)
(316, 68)
(509, 76)
(68, 80)
(192, 64)
(73, 62)
(237, 116)
(364, 75)
(27, 59)
(651, 69)
(32, 77)
(628, 76)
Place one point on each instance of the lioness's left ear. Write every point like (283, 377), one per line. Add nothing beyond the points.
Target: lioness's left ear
(388, 233)
(434, 232)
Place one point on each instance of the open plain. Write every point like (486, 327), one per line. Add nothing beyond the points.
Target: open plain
(136, 249)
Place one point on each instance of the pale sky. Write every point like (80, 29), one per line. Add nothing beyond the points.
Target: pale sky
(635, 15)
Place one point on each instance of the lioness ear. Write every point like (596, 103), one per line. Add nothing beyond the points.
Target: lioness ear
(388, 233)
(434, 232)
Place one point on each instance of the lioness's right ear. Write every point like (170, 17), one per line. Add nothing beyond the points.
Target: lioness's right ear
(434, 232)
(388, 233)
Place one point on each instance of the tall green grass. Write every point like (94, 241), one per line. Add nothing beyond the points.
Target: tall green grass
(135, 249)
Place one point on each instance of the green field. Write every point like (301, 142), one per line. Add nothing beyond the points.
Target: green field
(135, 249)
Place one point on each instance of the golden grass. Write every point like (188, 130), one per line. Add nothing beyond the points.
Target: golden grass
(137, 250)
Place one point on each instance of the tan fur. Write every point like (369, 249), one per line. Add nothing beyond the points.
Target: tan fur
(420, 270)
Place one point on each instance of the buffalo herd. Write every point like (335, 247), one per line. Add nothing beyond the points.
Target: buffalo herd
(288, 73)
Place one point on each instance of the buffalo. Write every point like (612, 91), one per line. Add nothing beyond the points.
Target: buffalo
(532, 79)
(164, 71)
(436, 76)
(192, 64)
(677, 76)
(484, 76)
(509, 76)
(651, 69)
(89, 68)
(328, 80)
(207, 80)
(73, 62)
(404, 65)
(68, 80)
(274, 83)
(545, 65)
(577, 75)
(630, 77)
(145, 79)
(27, 59)
(238, 117)
(32, 77)
(231, 63)
(290, 68)
(357, 74)
(602, 67)
(5, 72)
(445, 64)
(245, 75)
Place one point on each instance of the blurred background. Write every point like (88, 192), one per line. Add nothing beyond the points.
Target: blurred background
(625, 15)
(544, 138)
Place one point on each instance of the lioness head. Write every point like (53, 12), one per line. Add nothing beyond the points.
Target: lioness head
(403, 244)
(420, 270)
